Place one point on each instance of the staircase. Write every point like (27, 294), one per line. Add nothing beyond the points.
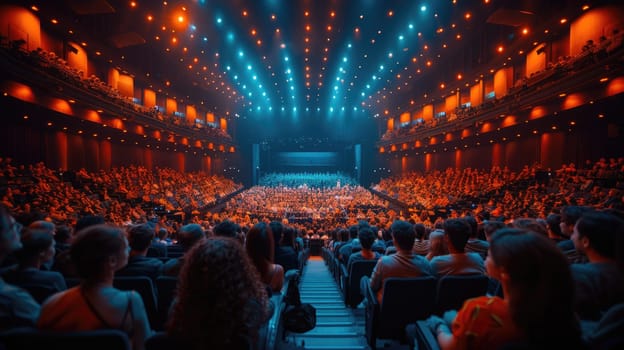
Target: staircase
(337, 326)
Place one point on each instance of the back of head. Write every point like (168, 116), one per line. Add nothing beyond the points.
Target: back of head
(226, 228)
(288, 237)
(34, 243)
(602, 231)
(353, 231)
(260, 247)
(42, 225)
(458, 232)
(404, 235)
(366, 237)
(189, 235)
(530, 224)
(571, 213)
(277, 229)
(93, 246)
(474, 226)
(420, 230)
(491, 226)
(553, 220)
(140, 237)
(541, 289)
(219, 297)
(88, 220)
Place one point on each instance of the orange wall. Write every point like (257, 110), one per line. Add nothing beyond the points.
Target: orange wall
(390, 124)
(113, 77)
(125, 85)
(502, 81)
(593, 24)
(191, 114)
(405, 118)
(428, 112)
(149, 98)
(223, 124)
(19, 23)
(450, 103)
(78, 60)
(171, 106)
(535, 62)
(476, 94)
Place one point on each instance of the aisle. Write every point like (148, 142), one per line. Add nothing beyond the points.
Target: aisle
(337, 327)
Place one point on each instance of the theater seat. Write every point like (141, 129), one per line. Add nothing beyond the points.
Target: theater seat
(162, 341)
(144, 286)
(350, 280)
(453, 290)
(31, 338)
(405, 300)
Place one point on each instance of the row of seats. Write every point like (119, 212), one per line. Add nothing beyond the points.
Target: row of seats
(405, 300)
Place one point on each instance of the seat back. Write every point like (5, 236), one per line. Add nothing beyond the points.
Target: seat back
(144, 286)
(453, 290)
(39, 292)
(31, 338)
(359, 268)
(166, 287)
(162, 341)
(405, 300)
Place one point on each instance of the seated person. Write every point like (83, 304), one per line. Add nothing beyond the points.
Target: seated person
(17, 307)
(458, 262)
(401, 264)
(537, 311)
(97, 252)
(37, 249)
(238, 303)
(139, 239)
(600, 282)
(187, 237)
(366, 237)
(260, 248)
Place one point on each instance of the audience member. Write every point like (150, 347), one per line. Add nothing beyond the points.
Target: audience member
(457, 262)
(221, 302)
(537, 311)
(261, 249)
(17, 307)
(401, 264)
(139, 239)
(366, 236)
(37, 249)
(97, 252)
(187, 237)
(600, 282)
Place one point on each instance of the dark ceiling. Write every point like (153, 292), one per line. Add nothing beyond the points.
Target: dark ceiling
(330, 68)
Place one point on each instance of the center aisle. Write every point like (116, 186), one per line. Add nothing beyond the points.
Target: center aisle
(337, 326)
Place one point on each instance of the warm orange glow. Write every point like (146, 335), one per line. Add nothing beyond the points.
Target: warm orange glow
(459, 76)
(133, 4)
(563, 20)
(585, 7)
(500, 48)
(393, 148)
(307, 27)
(244, 13)
(382, 149)
(306, 13)
(448, 137)
(390, 13)
(525, 31)
(180, 19)
(19, 91)
(615, 86)
(433, 141)
(54, 20)
(467, 15)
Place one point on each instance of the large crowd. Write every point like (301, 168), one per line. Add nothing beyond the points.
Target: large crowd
(92, 229)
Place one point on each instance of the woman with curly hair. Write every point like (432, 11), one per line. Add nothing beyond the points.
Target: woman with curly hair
(221, 302)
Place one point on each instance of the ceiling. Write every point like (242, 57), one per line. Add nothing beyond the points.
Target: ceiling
(341, 66)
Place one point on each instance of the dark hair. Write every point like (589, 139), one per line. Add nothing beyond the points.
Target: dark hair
(366, 237)
(220, 298)
(458, 232)
(602, 230)
(541, 296)
(571, 213)
(553, 220)
(420, 230)
(140, 237)
(474, 226)
(288, 237)
(276, 228)
(190, 234)
(34, 242)
(88, 220)
(92, 247)
(491, 226)
(226, 228)
(403, 233)
(63, 234)
(353, 231)
(530, 224)
(260, 248)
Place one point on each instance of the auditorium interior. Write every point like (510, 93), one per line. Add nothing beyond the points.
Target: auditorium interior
(312, 120)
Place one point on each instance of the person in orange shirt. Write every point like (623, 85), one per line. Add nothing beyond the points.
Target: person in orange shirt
(537, 310)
